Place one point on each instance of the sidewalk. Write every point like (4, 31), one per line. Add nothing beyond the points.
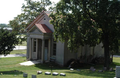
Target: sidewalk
(29, 63)
(116, 55)
(20, 48)
(13, 55)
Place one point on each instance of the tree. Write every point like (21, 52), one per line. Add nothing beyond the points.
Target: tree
(7, 41)
(30, 11)
(91, 22)
(4, 25)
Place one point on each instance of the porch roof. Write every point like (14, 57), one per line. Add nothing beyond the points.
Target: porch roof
(43, 28)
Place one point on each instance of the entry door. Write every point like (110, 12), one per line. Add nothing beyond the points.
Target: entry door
(34, 54)
(46, 54)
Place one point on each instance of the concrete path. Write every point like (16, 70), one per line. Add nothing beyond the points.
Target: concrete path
(20, 48)
(29, 63)
(13, 55)
(116, 55)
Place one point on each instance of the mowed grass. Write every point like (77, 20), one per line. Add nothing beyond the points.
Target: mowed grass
(18, 52)
(10, 68)
(24, 43)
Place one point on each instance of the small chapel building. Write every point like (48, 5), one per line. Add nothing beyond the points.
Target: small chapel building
(41, 45)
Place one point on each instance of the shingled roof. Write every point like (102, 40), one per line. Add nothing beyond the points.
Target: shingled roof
(43, 28)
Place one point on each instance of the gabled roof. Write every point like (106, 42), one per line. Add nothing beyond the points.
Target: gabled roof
(43, 28)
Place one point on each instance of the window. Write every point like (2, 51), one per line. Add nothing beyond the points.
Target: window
(34, 45)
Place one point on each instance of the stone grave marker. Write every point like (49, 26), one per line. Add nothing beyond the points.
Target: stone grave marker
(47, 73)
(54, 73)
(25, 75)
(34, 76)
(39, 72)
(62, 74)
(92, 69)
(117, 72)
(100, 70)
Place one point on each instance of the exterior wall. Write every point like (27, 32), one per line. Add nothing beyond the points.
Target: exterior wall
(28, 45)
(63, 55)
(98, 50)
(86, 50)
(45, 21)
(60, 53)
(68, 55)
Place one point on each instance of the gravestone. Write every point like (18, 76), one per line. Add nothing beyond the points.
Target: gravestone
(54, 73)
(100, 70)
(62, 74)
(78, 69)
(25, 75)
(117, 72)
(111, 69)
(92, 69)
(47, 73)
(71, 69)
(34, 76)
(39, 72)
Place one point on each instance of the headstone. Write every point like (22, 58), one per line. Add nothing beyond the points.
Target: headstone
(111, 69)
(92, 69)
(71, 69)
(47, 73)
(100, 70)
(34, 76)
(54, 73)
(62, 74)
(117, 72)
(39, 72)
(104, 68)
(78, 69)
(25, 75)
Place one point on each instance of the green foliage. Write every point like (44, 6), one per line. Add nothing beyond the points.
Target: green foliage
(31, 9)
(4, 25)
(7, 41)
(91, 22)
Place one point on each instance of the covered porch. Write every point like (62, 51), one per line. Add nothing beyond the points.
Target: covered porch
(39, 46)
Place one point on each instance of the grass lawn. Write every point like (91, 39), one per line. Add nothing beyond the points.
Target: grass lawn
(18, 52)
(10, 68)
(24, 43)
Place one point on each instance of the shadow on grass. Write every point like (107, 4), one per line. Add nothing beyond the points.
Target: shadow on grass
(86, 72)
(47, 66)
(115, 64)
(12, 72)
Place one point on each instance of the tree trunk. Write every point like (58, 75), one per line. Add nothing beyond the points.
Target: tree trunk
(106, 51)
(117, 47)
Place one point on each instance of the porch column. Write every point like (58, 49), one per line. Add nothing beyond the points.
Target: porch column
(30, 49)
(37, 47)
(43, 50)
(49, 50)
(32, 40)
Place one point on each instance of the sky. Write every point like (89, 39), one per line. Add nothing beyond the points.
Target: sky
(11, 8)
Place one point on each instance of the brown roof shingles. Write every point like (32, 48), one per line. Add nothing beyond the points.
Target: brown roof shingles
(43, 28)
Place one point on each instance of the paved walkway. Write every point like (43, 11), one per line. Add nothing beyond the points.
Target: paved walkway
(116, 55)
(20, 48)
(13, 55)
(29, 63)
